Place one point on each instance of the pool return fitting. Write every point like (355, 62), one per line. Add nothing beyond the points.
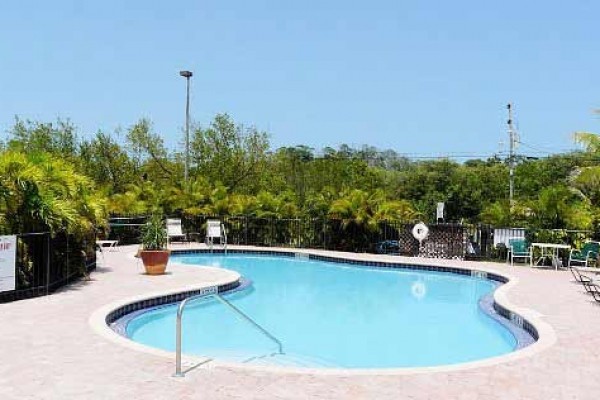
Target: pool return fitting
(213, 292)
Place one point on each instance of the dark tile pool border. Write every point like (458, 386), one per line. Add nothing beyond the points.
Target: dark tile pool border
(119, 323)
(523, 337)
(163, 300)
(517, 324)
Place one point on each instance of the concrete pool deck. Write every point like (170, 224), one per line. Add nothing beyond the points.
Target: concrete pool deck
(49, 349)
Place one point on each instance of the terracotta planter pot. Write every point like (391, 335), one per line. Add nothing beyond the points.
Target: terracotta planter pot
(155, 261)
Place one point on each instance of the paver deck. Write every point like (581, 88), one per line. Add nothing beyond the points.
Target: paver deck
(48, 349)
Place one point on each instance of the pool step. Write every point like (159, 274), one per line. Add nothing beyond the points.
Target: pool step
(291, 360)
(282, 360)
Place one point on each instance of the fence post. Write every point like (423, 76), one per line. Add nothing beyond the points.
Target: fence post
(47, 263)
(325, 245)
(68, 257)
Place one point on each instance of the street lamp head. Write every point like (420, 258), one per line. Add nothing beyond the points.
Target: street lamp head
(186, 74)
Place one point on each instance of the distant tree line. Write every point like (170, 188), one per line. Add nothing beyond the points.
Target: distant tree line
(53, 177)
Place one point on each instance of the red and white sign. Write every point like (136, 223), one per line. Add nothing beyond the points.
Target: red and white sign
(8, 262)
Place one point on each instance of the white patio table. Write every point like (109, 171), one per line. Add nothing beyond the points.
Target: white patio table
(549, 250)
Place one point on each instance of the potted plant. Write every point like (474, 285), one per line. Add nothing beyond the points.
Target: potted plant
(154, 254)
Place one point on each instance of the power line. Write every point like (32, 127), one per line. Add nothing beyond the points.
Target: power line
(543, 149)
(533, 150)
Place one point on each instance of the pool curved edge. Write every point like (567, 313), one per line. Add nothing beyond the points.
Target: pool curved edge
(99, 320)
(544, 333)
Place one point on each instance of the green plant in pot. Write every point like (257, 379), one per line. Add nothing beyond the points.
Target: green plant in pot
(154, 254)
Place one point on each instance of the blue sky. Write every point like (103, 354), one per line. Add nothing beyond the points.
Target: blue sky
(420, 77)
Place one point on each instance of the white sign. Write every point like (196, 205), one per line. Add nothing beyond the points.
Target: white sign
(8, 262)
(207, 291)
(440, 211)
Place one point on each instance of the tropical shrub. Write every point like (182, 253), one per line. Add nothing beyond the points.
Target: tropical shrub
(41, 193)
(154, 235)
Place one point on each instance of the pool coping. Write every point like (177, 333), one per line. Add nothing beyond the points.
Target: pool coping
(529, 319)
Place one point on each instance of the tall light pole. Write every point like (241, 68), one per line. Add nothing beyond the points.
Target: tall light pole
(187, 75)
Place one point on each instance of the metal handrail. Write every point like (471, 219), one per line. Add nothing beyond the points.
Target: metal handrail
(208, 292)
(225, 237)
(251, 322)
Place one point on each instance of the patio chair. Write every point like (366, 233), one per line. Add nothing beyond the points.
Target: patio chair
(518, 248)
(579, 277)
(590, 284)
(215, 230)
(594, 289)
(387, 247)
(174, 231)
(588, 252)
(99, 250)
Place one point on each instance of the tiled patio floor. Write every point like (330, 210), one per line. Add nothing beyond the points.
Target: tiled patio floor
(48, 349)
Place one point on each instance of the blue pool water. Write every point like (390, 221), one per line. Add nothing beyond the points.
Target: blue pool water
(334, 315)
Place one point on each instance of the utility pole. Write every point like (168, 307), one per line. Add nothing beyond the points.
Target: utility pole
(512, 137)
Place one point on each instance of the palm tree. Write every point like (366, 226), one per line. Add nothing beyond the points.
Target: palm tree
(560, 207)
(38, 193)
(361, 215)
(589, 140)
(361, 208)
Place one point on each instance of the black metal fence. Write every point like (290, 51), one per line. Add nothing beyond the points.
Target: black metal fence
(467, 241)
(125, 228)
(445, 240)
(46, 262)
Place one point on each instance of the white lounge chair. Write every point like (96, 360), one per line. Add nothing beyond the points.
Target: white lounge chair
(215, 230)
(174, 231)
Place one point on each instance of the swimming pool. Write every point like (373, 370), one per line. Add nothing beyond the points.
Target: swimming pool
(334, 315)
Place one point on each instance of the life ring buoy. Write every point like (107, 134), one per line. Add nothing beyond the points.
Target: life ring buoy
(420, 231)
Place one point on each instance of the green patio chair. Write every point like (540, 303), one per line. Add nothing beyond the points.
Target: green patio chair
(518, 248)
(589, 252)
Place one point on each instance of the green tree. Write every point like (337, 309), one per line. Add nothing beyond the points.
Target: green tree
(558, 207)
(107, 163)
(290, 168)
(587, 181)
(57, 138)
(149, 151)
(366, 210)
(233, 155)
(587, 178)
(531, 177)
(472, 187)
(426, 183)
(501, 214)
